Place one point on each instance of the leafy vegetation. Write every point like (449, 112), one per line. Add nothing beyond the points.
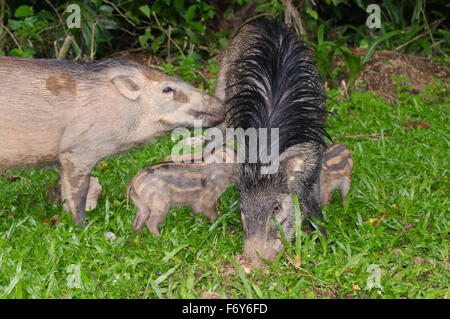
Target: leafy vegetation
(389, 241)
(173, 31)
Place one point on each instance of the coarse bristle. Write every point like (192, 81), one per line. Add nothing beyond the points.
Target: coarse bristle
(278, 86)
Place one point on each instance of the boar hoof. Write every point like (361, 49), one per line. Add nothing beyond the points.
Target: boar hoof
(80, 221)
(196, 207)
(153, 229)
(212, 217)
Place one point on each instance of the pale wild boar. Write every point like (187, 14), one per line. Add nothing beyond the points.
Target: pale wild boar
(161, 186)
(337, 169)
(77, 113)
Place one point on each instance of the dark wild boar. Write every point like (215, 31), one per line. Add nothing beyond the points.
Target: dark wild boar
(267, 80)
(161, 186)
(77, 113)
(337, 169)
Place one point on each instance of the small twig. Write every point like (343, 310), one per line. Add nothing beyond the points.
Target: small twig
(433, 26)
(344, 88)
(307, 273)
(55, 47)
(426, 22)
(2, 14)
(117, 9)
(165, 32)
(373, 136)
(49, 28)
(201, 74)
(380, 219)
(115, 25)
(66, 45)
(291, 14)
(64, 48)
(12, 36)
(156, 67)
(437, 43)
(57, 13)
(13, 178)
(409, 41)
(104, 21)
(149, 60)
(191, 48)
(205, 48)
(93, 41)
(168, 43)
(79, 50)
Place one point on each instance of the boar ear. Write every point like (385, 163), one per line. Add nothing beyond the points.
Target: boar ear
(127, 86)
(295, 164)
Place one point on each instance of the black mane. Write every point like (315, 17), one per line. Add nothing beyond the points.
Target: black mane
(278, 86)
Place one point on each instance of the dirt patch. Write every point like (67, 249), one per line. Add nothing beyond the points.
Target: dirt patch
(414, 124)
(324, 293)
(384, 64)
(210, 295)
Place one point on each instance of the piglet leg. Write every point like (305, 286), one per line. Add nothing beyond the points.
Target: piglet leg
(153, 223)
(142, 215)
(344, 190)
(159, 212)
(310, 205)
(208, 205)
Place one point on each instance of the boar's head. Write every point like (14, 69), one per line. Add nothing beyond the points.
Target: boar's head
(157, 98)
(264, 199)
(179, 103)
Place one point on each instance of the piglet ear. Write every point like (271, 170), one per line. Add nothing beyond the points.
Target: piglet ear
(295, 164)
(127, 86)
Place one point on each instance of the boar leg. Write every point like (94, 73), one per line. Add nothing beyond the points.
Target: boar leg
(325, 196)
(159, 212)
(197, 206)
(93, 193)
(310, 204)
(156, 217)
(345, 187)
(142, 216)
(74, 188)
(208, 204)
(211, 213)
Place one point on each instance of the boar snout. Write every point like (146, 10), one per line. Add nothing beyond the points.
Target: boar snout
(257, 247)
(213, 111)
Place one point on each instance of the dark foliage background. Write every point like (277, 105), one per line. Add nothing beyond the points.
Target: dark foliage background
(186, 34)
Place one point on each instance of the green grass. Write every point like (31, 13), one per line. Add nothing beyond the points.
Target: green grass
(403, 176)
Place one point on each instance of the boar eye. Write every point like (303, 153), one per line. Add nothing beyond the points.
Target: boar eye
(276, 209)
(168, 89)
